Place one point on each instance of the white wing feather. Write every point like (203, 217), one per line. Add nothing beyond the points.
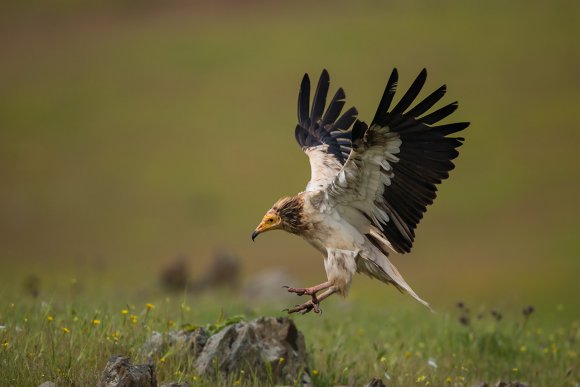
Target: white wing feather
(323, 168)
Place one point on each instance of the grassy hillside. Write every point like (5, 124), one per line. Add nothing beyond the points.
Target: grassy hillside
(131, 134)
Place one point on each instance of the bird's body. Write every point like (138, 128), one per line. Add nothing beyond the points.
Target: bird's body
(369, 186)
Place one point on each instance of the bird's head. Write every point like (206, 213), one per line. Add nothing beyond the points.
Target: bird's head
(285, 214)
(270, 221)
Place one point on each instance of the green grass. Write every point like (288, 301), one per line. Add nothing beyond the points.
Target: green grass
(69, 340)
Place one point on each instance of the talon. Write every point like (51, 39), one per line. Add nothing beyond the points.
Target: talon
(286, 286)
(298, 291)
(316, 308)
(303, 308)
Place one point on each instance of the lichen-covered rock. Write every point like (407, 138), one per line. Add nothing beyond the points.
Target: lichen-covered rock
(267, 347)
(119, 372)
(183, 342)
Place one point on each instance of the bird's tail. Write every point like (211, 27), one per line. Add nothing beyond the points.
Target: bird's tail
(399, 282)
(376, 264)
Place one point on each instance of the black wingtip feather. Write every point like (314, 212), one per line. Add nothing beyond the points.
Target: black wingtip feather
(451, 128)
(304, 100)
(428, 102)
(334, 108)
(347, 119)
(411, 94)
(439, 114)
(319, 100)
(387, 97)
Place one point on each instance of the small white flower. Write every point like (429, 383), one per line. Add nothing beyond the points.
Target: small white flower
(432, 363)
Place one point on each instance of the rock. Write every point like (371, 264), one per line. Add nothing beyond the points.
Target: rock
(47, 384)
(119, 372)
(155, 345)
(186, 343)
(375, 382)
(256, 346)
(224, 271)
(175, 275)
(32, 286)
(196, 341)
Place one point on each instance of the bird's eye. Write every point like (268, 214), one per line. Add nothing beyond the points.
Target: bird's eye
(271, 220)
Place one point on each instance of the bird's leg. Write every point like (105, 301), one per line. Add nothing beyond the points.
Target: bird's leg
(311, 291)
(312, 304)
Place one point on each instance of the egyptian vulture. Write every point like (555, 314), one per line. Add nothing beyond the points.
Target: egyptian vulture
(370, 184)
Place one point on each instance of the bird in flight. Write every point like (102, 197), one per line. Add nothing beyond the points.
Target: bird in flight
(370, 184)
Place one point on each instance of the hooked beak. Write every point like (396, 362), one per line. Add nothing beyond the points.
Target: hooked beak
(255, 234)
(266, 224)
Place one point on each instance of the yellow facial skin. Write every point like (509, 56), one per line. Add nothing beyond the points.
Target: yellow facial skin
(271, 221)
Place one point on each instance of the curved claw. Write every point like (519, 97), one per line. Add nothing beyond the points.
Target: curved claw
(316, 307)
(304, 308)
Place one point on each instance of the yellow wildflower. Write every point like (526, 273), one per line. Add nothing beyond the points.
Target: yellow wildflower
(150, 306)
(133, 319)
(65, 330)
(162, 360)
(408, 354)
(448, 380)
(515, 369)
(49, 318)
(5, 344)
(125, 311)
(523, 348)
(96, 322)
(314, 372)
(421, 378)
(281, 360)
(383, 359)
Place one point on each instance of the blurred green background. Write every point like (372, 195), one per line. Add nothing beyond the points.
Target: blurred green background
(135, 132)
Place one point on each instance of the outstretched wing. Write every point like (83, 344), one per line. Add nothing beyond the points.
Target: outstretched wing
(325, 138)
(394, 167)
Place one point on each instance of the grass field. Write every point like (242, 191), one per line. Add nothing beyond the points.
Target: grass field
(69, 341)
(131, 134)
